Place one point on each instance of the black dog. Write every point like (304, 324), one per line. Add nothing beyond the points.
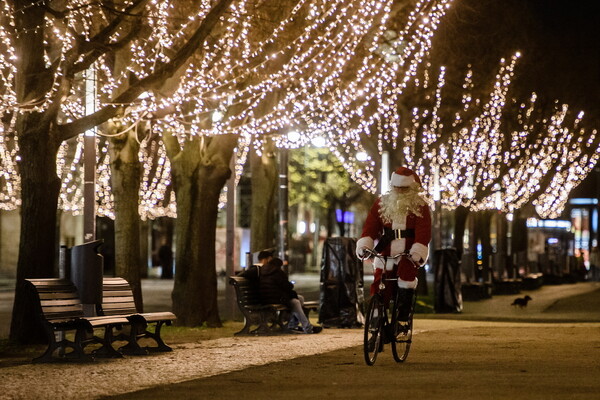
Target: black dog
(521, 301)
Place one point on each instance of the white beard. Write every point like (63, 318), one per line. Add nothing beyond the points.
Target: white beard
(396, 206)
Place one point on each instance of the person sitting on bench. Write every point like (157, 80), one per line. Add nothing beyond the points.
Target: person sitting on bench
(274, 287)
(253, 272)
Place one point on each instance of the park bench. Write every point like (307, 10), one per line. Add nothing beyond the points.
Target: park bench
(60, 311)
(268, 318)
(117, 300)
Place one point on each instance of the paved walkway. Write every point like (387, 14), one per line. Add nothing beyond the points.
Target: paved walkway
(572, 308)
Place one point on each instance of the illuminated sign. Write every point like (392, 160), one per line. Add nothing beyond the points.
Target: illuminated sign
(548, 223)
(583, 202)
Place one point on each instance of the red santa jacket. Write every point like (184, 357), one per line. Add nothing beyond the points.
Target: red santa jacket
(415, 229)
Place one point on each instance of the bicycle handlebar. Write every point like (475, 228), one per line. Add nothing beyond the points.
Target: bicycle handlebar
(370, 253)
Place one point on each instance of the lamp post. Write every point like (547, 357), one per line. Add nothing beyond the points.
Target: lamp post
(436, 237)
(230, 263)
(385, 172)
(89, 162)
(283, 207)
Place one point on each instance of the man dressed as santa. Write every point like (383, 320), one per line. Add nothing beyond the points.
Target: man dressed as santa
(399, 221)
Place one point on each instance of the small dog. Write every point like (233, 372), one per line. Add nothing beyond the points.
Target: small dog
(521, 301)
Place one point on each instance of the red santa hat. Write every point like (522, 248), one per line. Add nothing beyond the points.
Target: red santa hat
(403, 177)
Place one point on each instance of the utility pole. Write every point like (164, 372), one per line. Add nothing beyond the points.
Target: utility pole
(89, 162)
(230, 261)
(283, 207)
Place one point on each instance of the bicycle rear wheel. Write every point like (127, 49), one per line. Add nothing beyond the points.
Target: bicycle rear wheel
(403, 330)
(373, 338)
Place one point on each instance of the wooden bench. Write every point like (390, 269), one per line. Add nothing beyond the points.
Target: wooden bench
(117, 299)
(60, 311)
(268, 318)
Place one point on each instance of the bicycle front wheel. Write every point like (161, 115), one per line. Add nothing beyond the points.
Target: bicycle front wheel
(403, 330)
(373, 339)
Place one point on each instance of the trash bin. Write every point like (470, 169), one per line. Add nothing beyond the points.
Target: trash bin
(87, 268)
(342, 285)
(447, 285)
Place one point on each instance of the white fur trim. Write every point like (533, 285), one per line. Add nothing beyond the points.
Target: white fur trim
(363, 243)
(407, 284)
(399, 224)
(419, 252)
(397, 246)
(402, 180)
(389, 264)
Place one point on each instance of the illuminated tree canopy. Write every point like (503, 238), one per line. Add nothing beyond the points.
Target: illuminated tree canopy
(321, 69)
(496, 152)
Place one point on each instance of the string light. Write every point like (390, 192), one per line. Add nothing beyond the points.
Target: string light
(482, 166)
(320, 72)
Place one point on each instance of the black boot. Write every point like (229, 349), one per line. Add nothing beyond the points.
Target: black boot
(405, 301)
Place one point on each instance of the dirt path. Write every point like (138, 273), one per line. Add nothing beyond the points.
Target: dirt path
(449, 360)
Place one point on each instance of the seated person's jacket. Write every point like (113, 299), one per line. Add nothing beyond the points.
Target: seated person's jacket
(251, 273)
(274, 286)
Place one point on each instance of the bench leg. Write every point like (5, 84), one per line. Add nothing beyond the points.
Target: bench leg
(250, 319)
(106, 350)
(245, 330)
(132, 347)
(52, 346)
(77, 353)
(161, 345)
(267, 316)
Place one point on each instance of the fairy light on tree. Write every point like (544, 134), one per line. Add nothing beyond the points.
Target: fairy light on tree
(314, 70)
(307, 69)
(536, 156)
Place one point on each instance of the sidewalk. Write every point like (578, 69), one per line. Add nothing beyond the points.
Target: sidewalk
(195, 362)
(549, 303)
(577, 302)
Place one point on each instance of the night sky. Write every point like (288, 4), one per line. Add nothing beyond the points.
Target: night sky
(559, 39)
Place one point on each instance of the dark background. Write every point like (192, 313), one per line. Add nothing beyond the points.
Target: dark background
(558, 40)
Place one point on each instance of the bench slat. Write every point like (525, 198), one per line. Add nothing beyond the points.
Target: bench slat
(58, 295)
(59, 302)
(116, 293)
(118, 299)
(62, 308)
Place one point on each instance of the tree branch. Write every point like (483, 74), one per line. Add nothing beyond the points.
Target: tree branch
(162, 73)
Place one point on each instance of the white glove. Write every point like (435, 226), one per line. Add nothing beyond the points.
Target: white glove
(417, 259)
(360, 252)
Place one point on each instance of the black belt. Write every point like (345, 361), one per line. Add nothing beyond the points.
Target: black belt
(391, 234)
(403, 233)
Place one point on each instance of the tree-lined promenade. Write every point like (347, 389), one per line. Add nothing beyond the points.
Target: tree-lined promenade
(182, 92)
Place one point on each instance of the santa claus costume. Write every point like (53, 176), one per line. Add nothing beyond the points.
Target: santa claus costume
(399, 221)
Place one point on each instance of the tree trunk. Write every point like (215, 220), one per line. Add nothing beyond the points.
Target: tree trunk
(37, 247)
(199, 171)
(341, 224)
(264, 185)
(329, 224)
(38, 146)
(126, 176)
(483, 226)
(518, 243)
(460, 218)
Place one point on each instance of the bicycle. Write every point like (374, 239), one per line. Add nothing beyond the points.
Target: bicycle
(377, 323)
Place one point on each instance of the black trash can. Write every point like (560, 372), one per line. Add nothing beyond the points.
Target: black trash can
(87, 268)
(447, 294)
(342, 285)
